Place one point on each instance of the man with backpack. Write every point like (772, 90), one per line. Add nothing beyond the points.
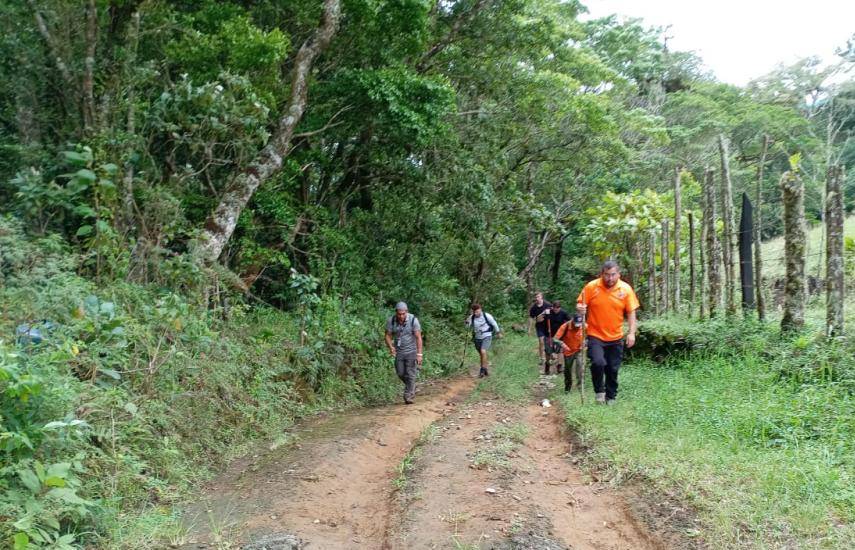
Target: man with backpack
(404, 340)
(483, 327)
(536, 312)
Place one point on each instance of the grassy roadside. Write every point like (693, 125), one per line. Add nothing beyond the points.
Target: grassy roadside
(765, 458)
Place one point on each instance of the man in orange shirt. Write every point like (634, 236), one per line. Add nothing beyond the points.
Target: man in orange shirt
(607, 300)
(569, 338)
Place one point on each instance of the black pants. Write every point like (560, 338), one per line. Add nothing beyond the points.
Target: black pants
(605, 360)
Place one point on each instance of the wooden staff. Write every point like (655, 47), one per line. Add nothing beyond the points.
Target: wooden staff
(584, 352)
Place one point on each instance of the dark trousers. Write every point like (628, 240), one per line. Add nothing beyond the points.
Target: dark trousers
(407, 370)
(605, 361)
(572, 367)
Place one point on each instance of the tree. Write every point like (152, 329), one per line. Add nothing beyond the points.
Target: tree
(222, 221)
(835, 290)
(792, 190)
(713, 250)
(728, 246)
(677, 217)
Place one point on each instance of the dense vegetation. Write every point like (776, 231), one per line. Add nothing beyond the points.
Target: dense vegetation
(435, 152)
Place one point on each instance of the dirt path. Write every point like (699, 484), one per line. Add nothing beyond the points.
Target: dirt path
(442, 473)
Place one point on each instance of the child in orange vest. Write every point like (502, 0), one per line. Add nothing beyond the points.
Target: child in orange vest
(569, 337)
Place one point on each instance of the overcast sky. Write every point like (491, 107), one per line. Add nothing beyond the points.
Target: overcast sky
(743, 39)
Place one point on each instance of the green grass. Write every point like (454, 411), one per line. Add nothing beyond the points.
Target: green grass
(766, 463)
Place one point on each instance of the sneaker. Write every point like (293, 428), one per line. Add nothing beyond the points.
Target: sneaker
(482, 373)
(601, 397)
(408, 401)
(611, 401)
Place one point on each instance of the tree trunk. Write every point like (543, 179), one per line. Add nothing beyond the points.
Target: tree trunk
(703, 265)
(834, 282)
(758, 235)
(728, 248)
(713, 251)
(794, 242)
(88, 82)
(678, 207)
(746, 234)
(556, 261)
(651, 273)
(221, 223)
(691, 217)
(666, 291)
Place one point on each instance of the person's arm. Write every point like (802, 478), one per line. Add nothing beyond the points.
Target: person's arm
(390, 345)
(468, 320)
(419, 354)
(633, 327)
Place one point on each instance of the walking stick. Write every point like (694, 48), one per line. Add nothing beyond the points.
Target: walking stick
(584, 352)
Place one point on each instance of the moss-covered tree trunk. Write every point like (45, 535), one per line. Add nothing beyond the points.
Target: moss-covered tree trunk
(793, 192)
(651, 272)
(758, 217)
(222, 221)
(834, 282)
(678, 207)
(713, 250)
(728, 247)
(666, 290)
(702, 295)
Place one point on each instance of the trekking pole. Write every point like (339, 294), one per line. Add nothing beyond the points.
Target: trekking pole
(584, 352)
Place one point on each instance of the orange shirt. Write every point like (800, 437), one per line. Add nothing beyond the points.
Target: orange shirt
(607, 308)
(571, 335)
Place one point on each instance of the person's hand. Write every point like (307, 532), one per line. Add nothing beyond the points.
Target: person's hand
(419, 359)
(547, 311)
(393, 351)
(630, 340)
(500, 335)
(582, 309)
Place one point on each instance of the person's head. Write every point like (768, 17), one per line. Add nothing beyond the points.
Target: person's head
(476, 310)
(538, 298)
(556, 305)
(610, 273)
(401, 311)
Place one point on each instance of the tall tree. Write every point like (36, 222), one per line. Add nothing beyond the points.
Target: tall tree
(667, 306)
(793, 196)
(678, 214)
(834, 281)
(728, 247)
(691, 220)
(222, 221)
(758, 222)
(713, 250)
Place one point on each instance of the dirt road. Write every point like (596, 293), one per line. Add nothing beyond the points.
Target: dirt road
(446, 472)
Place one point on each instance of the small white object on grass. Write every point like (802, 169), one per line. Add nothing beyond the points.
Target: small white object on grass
(545, 403)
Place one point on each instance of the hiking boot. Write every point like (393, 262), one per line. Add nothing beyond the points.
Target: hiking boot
(601, 397)
(486, 372)
(482, 373)
(408, 400)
